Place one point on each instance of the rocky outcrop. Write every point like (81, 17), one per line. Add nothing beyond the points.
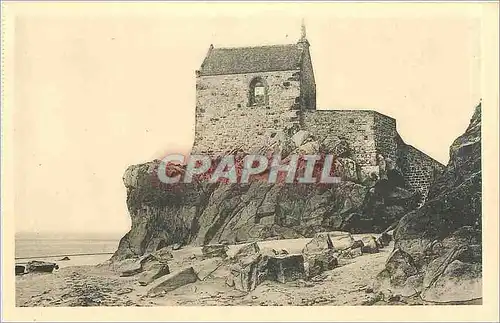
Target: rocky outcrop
(154, 271)
(248, 268)
(369, 245)
(20, 269)
(214, 250)
(285, 268)
(202, 213)
(41, 266)
(151, 265)
(172, 281)
(320, 254)
(437, 250)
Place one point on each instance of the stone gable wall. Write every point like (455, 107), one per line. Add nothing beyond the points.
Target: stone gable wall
(225, 122)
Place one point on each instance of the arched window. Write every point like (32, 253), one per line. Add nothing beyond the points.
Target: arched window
(257, 92)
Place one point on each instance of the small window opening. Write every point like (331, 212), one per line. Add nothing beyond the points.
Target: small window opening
(257, 93)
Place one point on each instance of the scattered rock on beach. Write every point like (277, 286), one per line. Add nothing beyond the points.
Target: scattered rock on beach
(156, 270)
(320, 254)
(131, 267)
(286, 268)
(320, 262)
(249, 268)
(172, 281)
(341, 240)
(124, 291)
(206, 267)
(357, 244)
(319, 243)
(20, 269)
(369, 245)
(384, 239)
(248, 250)
(41, 266)
(163, 254)
(214, 250)
(356, 252)
(101, 286)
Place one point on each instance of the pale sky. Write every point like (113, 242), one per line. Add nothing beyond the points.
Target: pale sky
(101, 89)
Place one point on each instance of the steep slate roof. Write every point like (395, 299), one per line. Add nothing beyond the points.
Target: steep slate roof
(239, 60)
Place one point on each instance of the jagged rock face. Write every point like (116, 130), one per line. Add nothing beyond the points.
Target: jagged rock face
(201, 213)
(437, 251)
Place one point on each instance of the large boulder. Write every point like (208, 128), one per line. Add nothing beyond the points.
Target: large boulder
(172, 281)
(248, 272)
(285, 268)
(153, 272)
(163, 255)
(438, 246)
(247, 250)
(207, 267)
(369, 245)
(384, 239)
(320, 254)
(318, 262)
(214, 250)
(154, 264)
(129, 267)
(341, 240)
(161, 215)
(251, 265)
(41, 266)
(20, 269)
(248, 268)
(320, 242)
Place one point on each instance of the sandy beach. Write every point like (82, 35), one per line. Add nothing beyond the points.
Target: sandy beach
(101, 285)
(74, 261)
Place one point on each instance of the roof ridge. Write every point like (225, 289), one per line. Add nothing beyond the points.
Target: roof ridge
(259, 46)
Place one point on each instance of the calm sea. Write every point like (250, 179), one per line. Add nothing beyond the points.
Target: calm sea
(82, 249)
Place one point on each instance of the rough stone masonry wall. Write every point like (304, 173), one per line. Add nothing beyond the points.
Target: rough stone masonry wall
(355, 126)
(419, 170)
(308, 85)
(225, 122)
(385, 136)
